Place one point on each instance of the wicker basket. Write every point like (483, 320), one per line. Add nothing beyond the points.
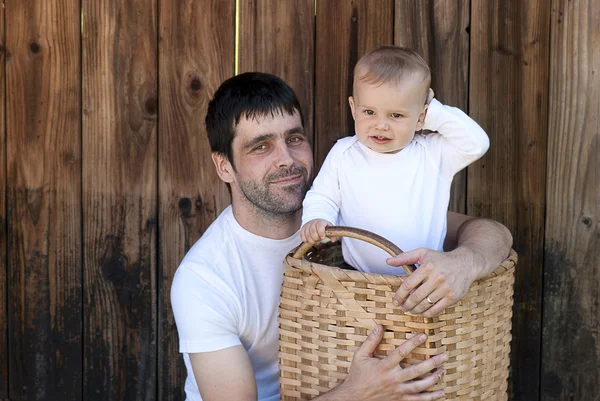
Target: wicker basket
(326, 312)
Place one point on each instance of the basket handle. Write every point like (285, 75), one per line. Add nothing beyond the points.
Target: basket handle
(357, 233)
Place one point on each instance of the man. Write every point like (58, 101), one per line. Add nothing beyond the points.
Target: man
(225, 293)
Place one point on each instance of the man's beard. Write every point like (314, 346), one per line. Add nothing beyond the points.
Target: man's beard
(277, 202)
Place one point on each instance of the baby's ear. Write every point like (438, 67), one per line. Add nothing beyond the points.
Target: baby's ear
(351, 102)
(421, 120)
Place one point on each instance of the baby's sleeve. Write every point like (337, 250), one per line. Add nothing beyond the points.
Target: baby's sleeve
(204, 315)
(461, 140)
(323, 200)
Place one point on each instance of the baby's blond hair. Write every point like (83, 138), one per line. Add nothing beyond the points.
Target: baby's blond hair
(392, 64)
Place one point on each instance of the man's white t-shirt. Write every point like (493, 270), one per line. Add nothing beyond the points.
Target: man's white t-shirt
(402, 196)
(226, 293)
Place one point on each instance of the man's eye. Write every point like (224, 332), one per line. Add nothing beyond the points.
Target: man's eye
(369, 112)
(295, 140)
(259, 148)
(396, 115)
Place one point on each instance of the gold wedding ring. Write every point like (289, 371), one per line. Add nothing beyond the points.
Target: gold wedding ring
(429, 300)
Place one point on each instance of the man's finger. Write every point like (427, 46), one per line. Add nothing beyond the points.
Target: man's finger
(406, 258)
(408, 285)
(438, 308)
(436, 296)
(367, 348)
(421, 368)
(419, 294)
(417, 386)
(436, 395)
(396, 356)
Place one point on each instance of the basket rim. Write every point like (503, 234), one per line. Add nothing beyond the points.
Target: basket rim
(377, 278)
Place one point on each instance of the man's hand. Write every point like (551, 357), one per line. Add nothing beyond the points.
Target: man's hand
(441, 280)
(373, 379)
(314, 231)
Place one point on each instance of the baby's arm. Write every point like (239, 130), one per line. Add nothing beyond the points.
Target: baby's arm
(322, 203)
(462, 140)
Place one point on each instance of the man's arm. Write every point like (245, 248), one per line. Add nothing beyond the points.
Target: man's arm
(476, 247)
(227, 374)
(224, 375)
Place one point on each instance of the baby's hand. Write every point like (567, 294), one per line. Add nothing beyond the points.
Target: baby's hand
(314, 231)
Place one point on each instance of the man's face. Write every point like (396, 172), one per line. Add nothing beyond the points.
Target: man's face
(273, 163)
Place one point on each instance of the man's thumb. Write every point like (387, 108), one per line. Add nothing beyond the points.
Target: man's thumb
(367, 348)
(406, 258)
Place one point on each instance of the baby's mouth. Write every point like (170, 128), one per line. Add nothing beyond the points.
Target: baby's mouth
(380, 139)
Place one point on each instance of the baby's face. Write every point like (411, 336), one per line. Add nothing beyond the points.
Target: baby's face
(387, 115)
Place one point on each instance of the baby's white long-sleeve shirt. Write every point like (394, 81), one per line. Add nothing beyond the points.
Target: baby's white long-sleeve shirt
(402, 196)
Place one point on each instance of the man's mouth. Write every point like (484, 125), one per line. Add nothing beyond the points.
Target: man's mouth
(290, 179)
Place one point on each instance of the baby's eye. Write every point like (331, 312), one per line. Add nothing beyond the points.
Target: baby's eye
(369, 112)
(396, 115)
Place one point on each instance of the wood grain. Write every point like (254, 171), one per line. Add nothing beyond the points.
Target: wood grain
(196, 51)
(345, 31)
(43, 199)
(439, 32)
(508, 97)
(3, 255)
(278, 37)
(119, 50)
(571, 340)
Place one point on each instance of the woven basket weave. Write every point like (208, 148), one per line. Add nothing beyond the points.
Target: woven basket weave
(326, 313)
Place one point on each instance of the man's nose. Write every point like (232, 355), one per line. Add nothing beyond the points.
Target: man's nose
(284, 156)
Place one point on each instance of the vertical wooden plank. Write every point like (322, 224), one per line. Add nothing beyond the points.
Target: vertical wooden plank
(439, 32)
(508, 96)
(278, 37)
(571, 341)
(44, 199)
(197, 40)
(3, 255)
(119, 45)
(359, 27)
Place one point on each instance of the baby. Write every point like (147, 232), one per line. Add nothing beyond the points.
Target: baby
(389, 178)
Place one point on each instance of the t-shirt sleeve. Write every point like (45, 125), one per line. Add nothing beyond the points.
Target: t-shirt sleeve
(323, 200)
(205, 314)
(459, 140)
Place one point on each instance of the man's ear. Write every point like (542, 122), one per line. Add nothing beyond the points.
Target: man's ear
(421, 120)
(224, 167)
(351, 102)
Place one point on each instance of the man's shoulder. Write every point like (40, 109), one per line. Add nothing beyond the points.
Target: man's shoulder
(212, 247)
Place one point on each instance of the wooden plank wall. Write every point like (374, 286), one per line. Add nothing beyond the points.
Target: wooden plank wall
(43, 123)
(106, 178)
(570, 337)
(120, 107)
(3, 255)
(196, 53)
(508, 96)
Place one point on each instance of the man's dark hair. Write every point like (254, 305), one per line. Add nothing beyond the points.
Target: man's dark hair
(251, 95)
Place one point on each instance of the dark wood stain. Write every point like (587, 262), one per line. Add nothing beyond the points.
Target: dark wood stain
(570, 338)
(192, 63)
(43, 211)
(119, 50)
(509, 183)
(3, 223)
